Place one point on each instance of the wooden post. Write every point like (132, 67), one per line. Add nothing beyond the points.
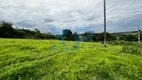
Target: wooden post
(105, 24)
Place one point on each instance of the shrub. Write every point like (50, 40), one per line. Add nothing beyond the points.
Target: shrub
(132, 50)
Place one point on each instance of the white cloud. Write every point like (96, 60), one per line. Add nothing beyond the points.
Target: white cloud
(61, 14)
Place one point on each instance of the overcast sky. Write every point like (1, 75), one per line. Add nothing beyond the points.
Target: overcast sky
(77, 15)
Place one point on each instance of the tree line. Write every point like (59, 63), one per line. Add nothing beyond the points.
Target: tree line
(88, 36)
(7, 31)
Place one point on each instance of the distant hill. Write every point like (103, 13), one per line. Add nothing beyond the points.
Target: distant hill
(125, 33)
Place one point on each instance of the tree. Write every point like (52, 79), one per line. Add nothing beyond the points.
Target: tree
(131, 37)
(67, 35)
(94, 38)
(111, 37)
(76, 37)
(85, 34)
(6, 30)
(37, 33)
(99, 36)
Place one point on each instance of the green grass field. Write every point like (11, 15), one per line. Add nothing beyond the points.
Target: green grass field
(23, 59)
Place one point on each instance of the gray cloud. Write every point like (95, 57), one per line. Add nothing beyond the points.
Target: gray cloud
(78, 15)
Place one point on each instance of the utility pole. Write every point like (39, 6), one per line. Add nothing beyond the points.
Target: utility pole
(105, 24)
(139, 37)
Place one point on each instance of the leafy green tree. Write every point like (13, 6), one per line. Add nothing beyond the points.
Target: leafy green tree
(131, 37)
(85, 34)
(99, 36)
(111, 37)
(76, 37)
(6, 30)
(67, 35)
(37, 33)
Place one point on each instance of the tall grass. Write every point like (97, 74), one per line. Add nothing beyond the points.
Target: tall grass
(22, 59)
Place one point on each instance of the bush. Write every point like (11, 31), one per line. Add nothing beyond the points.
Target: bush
(132, 50)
